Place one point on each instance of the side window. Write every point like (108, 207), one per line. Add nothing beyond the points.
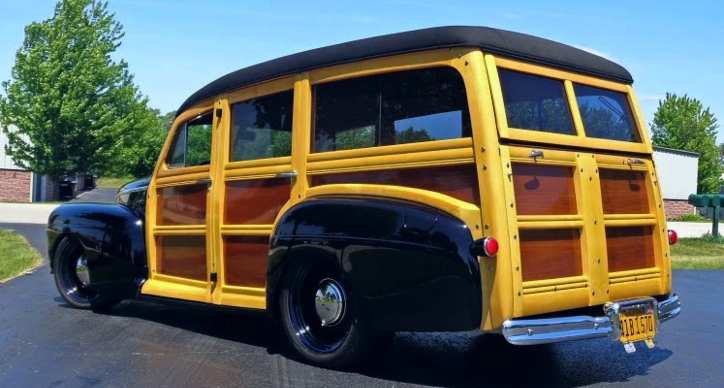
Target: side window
(192, 143)
(536, 103)
(393, 108)
(606, 114)
(262, 127)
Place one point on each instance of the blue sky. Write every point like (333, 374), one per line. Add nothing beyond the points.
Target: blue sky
(176, 46)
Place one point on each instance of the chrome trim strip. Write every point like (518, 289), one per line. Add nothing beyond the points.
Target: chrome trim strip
(551, 330)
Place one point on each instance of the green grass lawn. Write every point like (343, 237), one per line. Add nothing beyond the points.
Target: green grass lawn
(698, 253)
(112, 182)
(18, 256)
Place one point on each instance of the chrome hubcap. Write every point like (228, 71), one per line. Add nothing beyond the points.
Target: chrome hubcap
(330, 302)
(81, 271)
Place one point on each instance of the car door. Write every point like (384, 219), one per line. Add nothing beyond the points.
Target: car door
(179, 254)
(252, 184)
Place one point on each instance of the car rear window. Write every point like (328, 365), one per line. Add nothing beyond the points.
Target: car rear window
(606, 114)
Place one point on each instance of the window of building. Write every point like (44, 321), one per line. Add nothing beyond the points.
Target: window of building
(392, 108)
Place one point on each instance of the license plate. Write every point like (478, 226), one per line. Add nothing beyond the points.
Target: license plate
(637, 327)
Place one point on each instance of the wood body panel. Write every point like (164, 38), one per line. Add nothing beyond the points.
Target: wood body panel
(550, 253)
(624, 191)
(630, 248)
(245, 260)
(544, 190)
(255, 201)
(182, 256)
(457, 181)
(182, 205)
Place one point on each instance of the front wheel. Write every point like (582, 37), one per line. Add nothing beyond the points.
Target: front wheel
(70, 271)
(319, 317)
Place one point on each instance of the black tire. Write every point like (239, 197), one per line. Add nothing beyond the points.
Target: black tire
(71, 288)
(347, 343)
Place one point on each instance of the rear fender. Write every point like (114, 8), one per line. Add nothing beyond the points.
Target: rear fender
(407, 265)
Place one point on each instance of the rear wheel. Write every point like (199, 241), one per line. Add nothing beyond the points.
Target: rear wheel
(70, 270)
(319, 316)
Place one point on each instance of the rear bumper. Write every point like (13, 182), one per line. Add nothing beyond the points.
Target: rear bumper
(549, 330)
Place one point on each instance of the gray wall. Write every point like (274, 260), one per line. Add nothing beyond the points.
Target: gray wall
(5, 161)
(678, 172)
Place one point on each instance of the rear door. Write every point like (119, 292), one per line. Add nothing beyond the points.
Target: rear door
(252, 183)
(586, 208)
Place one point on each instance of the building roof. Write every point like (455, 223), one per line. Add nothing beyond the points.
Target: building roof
(504, 43)
(676, 152)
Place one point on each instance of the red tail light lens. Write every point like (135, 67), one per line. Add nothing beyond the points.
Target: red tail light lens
(490, 245)
(673, 237)
(487, 246)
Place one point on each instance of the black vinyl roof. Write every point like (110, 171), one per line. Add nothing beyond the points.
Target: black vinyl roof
(504, 43)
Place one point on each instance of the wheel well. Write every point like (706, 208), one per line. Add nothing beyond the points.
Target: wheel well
(292, 257)
(56, 244)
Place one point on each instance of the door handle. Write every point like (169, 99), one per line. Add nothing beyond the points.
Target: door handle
(291, 174)
(535, 155)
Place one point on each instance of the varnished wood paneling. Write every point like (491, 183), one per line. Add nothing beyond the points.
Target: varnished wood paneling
(182, 256)
(458, 181)
(630, 248)
(543, 190)
(550, 253)
(245, 260)
(624, 191)
(255, 201)
(182, 205)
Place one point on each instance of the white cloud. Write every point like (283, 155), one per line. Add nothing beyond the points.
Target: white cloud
(596, 52)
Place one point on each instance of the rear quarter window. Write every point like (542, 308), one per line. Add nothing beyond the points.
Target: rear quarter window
(393, 108)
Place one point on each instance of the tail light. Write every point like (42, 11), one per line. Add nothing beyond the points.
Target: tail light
(673, 237)
(487, 246)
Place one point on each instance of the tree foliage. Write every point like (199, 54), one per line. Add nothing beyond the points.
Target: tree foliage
(70, 107)
(683, 123)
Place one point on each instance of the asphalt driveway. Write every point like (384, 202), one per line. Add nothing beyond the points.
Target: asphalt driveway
(43, 343)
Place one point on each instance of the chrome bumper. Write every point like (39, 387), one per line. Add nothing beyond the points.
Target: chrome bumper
(549, 330)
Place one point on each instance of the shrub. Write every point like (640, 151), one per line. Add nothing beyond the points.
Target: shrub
(708, 237)
(689, 217)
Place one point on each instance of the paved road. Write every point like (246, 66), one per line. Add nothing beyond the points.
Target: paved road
(43, 343)
(37, 213)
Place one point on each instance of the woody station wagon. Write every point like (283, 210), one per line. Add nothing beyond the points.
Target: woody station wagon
(444, 179)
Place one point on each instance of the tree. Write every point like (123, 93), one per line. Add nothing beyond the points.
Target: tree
(683, 123)
(412, 135)
(167, 120)
(74, 108)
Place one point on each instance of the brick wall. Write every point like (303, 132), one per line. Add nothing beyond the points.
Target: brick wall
(675, 208)
(14, 186)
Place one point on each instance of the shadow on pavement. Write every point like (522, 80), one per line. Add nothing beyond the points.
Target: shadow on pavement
(434, 359)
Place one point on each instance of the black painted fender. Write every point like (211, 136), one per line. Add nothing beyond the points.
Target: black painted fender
(113, 240)
(407, 265)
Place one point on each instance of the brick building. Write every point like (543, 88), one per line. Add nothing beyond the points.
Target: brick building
(18, 185)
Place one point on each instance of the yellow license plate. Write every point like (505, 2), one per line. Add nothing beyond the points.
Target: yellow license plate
(637, 327)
